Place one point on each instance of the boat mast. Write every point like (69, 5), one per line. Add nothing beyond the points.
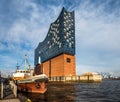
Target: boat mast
(25, 62)
(17, 66)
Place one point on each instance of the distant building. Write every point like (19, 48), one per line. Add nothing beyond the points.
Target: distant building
(55, 56)
(91, 77)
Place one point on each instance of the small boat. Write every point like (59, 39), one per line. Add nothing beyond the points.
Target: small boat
(27, 82)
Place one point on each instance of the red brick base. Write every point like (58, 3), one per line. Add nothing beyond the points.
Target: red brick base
(62, 65)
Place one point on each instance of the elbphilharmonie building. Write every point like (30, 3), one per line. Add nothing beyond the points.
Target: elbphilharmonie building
(56, 54)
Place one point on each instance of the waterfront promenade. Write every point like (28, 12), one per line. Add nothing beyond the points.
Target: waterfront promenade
(10, 100)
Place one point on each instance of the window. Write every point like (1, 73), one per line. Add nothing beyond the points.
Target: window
(68, 60)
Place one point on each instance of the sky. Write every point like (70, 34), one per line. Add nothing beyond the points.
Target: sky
(25, 23)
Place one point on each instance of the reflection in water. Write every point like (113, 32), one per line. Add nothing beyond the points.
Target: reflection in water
(77, 92)
(56, 91)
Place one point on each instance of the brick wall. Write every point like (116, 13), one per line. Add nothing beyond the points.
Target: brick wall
(69, 67)
(62, 65)
(46, 67)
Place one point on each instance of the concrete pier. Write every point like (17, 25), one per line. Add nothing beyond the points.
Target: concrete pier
(82, 78)
(10, 100)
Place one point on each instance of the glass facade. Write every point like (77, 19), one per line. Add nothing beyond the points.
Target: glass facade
(60, 38)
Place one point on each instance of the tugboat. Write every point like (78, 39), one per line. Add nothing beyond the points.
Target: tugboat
(27, 82)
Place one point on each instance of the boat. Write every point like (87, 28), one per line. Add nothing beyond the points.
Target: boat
(26, 81)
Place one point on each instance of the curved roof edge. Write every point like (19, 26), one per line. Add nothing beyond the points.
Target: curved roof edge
(63, 10)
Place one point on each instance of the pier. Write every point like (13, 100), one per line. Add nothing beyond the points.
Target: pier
(89, 77)
(10, 100)
(8, 91)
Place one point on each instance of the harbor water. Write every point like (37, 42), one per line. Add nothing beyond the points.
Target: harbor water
(106, 91)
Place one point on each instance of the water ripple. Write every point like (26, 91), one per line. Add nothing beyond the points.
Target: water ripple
(107, 91)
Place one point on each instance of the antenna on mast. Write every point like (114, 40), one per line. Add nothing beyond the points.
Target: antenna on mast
(26, 63)
(17, 66)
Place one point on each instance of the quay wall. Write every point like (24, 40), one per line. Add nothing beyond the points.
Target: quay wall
(76, 79)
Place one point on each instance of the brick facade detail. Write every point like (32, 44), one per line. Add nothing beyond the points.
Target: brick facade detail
(59, 66)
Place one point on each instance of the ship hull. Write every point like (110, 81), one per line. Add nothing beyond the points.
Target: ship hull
(32, 87)
(34, 84)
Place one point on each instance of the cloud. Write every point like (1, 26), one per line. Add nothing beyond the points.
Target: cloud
(25, 32)
(96, 24)
(33, 28)
(97, 35)
(6, 58)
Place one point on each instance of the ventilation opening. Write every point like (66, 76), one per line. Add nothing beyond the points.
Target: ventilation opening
(68, 60)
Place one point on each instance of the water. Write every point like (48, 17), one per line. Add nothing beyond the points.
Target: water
(107, 91)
